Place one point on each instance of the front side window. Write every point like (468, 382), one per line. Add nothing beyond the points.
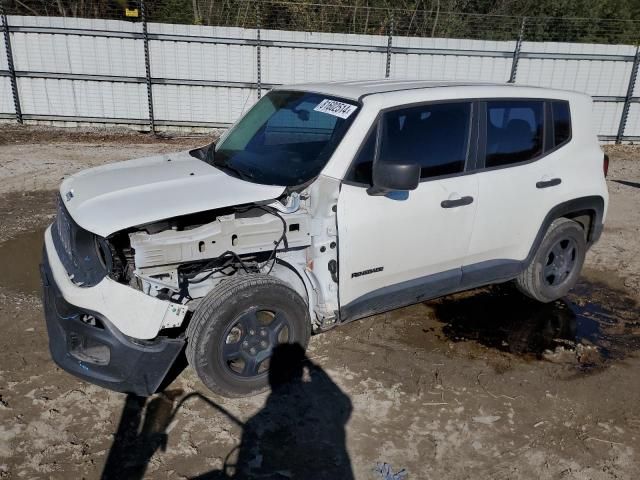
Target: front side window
(435, 136)
(514, 131)
(286, 138)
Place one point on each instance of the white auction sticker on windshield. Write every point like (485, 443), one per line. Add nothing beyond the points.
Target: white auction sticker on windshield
(335, 108)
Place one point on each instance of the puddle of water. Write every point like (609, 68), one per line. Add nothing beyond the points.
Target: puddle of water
(20, 258)
(591, 325)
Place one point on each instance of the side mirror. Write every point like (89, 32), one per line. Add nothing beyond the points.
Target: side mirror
(390, 177)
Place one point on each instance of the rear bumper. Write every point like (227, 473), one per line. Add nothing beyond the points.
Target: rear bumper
(87, 344)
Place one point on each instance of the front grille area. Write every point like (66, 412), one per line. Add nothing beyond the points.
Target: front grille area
(85, 256)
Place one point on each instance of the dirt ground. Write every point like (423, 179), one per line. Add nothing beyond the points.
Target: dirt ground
(484, 384)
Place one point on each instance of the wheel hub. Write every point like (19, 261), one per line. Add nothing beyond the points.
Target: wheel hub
(561, 261)
(250, 340)
(255, 342)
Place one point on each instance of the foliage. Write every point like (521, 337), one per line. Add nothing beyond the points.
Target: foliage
(605, 21)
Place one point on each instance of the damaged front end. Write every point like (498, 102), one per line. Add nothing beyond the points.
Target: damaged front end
(138, 244)
(178, 260)
(186, 257)
(294, 238)
(100, 330)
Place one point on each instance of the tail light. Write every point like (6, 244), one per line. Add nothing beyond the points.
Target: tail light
(605, 165)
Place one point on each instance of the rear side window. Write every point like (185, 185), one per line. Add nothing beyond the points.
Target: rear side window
(561, 122)
(514, 131)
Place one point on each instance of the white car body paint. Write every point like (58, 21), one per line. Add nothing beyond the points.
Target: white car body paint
(120, 195)
(511, 208)
(418, 237)
(394, 240)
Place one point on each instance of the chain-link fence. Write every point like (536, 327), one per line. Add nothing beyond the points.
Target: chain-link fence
(160, 63)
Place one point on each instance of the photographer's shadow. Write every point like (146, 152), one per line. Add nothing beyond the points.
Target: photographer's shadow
(298, 434)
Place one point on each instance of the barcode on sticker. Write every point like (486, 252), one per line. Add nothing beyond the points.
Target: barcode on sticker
(335, 108)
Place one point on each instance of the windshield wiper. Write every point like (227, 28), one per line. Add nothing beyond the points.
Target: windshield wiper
(236, 172)
(208, 153)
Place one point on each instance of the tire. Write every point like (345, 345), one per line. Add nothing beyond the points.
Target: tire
(235, 328)
(556, 266)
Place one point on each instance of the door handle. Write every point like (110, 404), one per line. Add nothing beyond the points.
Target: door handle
(459, 202)
(549, 183)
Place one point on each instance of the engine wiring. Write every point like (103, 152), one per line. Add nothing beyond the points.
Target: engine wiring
(283, 238)
(229, 256)
(230, 260)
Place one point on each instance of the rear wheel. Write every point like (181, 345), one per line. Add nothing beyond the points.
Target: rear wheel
(556, 266)
(236, 327)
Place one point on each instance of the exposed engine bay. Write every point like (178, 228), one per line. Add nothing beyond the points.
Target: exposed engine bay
(293, 238)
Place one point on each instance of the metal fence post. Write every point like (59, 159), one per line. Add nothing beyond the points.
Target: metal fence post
(627, 100)
(12, 70)
(387, 71)
(258, 51)
(516, 52)
(147, 66)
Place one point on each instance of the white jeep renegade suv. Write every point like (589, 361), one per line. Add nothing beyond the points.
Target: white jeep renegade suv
(323, 204)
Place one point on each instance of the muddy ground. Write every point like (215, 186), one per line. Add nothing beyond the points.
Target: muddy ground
(484, 384)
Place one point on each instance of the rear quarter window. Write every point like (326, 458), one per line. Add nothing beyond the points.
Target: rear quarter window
(561, 122)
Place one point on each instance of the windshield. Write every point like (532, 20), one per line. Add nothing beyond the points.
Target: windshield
(286, 138)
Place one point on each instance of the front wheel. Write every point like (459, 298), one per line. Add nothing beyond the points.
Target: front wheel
(556, 266)
(235, 328)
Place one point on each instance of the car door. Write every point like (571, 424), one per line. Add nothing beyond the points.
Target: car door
(519, 182)
(402, 247)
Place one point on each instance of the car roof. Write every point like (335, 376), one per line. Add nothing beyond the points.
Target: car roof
(357, 89)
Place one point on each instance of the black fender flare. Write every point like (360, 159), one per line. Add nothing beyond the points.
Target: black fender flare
(576, 206)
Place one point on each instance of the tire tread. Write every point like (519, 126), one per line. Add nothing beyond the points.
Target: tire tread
(526, 281)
